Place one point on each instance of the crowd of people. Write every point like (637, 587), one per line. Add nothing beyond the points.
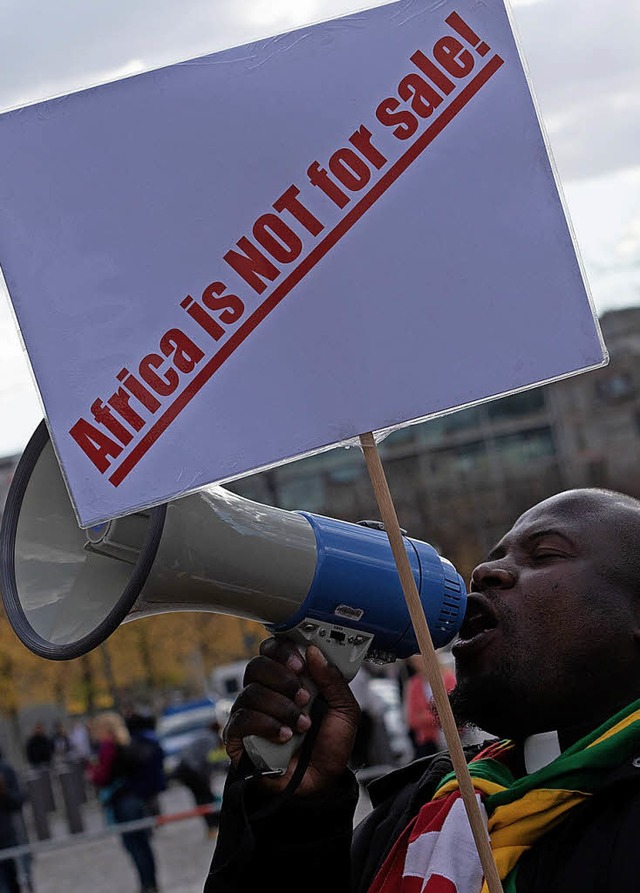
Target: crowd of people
(123, 763)
(45, 749)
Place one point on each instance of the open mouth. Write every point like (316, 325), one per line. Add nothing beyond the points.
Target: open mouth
(479, 621)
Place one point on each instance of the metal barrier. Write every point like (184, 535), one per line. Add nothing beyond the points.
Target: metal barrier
(39, 795)
(71, 799)
(108, 830)
(67, 781)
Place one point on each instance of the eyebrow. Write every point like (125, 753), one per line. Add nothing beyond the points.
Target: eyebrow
(499, 551)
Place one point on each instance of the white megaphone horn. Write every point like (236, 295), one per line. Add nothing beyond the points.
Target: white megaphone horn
(334, 583)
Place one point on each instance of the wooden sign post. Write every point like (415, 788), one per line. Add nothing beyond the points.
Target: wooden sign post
(421, 629)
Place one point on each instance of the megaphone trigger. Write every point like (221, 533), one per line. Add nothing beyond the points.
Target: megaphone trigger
(344, 648)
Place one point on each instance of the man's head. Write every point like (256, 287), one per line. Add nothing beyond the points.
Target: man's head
(551, 638)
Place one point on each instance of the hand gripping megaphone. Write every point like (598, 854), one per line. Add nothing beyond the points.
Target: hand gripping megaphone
(319, 580)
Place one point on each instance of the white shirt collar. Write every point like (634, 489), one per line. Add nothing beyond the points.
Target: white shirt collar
(540, 750)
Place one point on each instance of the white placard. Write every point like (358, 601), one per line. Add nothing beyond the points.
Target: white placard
(248, 257)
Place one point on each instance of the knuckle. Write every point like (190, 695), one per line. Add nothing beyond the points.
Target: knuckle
(269, 647)
(278, 648)
(252, 668)
(236, 724)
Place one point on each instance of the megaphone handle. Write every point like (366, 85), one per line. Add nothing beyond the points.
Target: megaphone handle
(274, 758)
(343, 647)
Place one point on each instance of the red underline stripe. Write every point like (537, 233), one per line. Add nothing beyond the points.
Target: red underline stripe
(306, 264)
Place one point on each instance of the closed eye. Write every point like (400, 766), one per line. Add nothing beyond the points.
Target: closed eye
(547, 545)
(545, 554)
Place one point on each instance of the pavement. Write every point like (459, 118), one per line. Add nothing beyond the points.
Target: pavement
(94, 861)
(79, 864)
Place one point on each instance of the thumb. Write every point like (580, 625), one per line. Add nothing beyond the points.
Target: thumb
(331, 684)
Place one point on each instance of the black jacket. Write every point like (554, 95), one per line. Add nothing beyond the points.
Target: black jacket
(12, 797)
(309, 845)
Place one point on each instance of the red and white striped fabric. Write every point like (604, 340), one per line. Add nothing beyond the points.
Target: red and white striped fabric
(435, 854)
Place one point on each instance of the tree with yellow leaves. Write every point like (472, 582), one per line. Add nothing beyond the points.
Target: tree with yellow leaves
(147, 659)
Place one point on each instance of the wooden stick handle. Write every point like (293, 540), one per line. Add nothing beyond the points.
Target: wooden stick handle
(425, 642)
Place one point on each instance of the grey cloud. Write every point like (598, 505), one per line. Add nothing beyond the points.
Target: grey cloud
(584, 62)
(583, 57)
(74, 44)
(57, 47)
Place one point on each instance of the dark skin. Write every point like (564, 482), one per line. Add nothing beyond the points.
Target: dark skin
(562, 586)
(271, 705)
(551, 641)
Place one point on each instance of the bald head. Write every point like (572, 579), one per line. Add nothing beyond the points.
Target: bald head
(591, 501)
(554, 634)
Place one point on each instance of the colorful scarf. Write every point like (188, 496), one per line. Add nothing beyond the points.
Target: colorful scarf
(436, 853)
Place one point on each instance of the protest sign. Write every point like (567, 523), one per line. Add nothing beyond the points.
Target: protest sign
(248, 257)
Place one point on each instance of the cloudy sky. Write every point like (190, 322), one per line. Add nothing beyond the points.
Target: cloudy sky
(583, 58)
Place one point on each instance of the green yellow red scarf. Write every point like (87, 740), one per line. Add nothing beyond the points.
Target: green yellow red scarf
(519, 810)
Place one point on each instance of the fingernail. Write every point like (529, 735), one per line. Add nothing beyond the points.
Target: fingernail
(295, 663)
(321, 655)
(285, 733)
(302, 697)
(304, 723)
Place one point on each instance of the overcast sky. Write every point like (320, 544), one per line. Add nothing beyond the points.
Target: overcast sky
(584, 63)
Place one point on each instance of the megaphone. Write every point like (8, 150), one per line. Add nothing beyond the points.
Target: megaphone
(334, 583)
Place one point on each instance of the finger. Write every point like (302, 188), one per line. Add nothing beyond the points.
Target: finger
(276, 719)
(262, 711)
(265, 673)
(283, 651)
(245, 722)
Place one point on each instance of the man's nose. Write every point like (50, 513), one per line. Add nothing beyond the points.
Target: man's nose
(492, 575)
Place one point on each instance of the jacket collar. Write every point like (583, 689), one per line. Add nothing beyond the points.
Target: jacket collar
(426, 773)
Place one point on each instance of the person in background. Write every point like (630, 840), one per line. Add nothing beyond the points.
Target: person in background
(79, 742)
(25, 860)
(547, 661)
(420, 713)
(61, 744)
(372, 746)
(117, 778)
(198, 760)
(12, 797)
(39, 747)
(142, 728)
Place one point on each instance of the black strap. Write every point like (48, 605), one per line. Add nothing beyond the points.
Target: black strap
(317, 713)
(236, 840)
